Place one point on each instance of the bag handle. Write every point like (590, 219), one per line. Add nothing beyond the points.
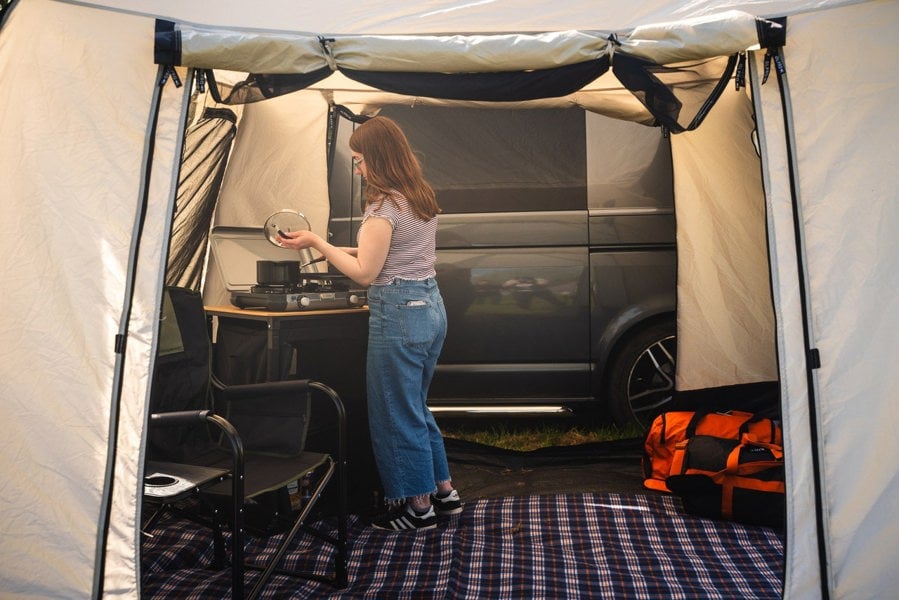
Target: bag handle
(699, 415)
(748, 439)
(774, 433)
(734, 475)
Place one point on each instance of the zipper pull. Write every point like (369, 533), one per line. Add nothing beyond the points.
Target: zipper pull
(740, 75)
(201, 81)
(773, 55)
(169, 71)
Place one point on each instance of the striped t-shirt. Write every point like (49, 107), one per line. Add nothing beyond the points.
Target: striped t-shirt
(412, 252)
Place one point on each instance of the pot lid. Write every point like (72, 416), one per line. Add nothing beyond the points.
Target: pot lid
(284, 221)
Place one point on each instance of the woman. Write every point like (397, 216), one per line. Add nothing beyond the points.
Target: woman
(395, 256)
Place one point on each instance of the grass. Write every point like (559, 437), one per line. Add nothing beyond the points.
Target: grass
(542, 435)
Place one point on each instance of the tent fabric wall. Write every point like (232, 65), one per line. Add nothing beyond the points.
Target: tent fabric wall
(288, 171)
(83, 235)
(848, 174)
(724, 311)
(801, 562)
(75, 112)
(207, 145)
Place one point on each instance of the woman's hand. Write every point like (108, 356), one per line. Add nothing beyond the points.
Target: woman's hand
(361, 264)
(298, 240)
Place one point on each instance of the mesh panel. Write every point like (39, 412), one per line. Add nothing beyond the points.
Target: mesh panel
(680, 95)
(206, 148)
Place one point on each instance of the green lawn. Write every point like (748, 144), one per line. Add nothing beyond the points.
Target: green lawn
(524, 437)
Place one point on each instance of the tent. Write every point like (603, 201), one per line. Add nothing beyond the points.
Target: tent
(794, 245)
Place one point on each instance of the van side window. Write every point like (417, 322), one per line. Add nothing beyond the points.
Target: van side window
(490, 160)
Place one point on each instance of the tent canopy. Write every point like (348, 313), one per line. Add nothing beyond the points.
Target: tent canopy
(490, 67)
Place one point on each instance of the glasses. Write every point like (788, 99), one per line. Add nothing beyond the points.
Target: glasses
(358, 160)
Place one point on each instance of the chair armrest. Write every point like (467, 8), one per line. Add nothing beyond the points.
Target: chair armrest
(186, 417)
(181, 417)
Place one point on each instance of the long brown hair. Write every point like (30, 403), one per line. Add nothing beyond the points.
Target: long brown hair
(391, 165)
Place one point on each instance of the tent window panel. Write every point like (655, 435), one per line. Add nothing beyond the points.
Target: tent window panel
(493, 87)
(256, 87)
(680, 95)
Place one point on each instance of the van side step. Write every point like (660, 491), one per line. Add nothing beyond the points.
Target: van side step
(504, 409)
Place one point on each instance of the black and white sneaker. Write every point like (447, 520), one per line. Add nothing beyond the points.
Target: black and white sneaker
(405, 518)
(448, 504)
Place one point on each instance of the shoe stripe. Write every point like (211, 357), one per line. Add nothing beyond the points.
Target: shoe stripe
(408, 520)
(401, 523)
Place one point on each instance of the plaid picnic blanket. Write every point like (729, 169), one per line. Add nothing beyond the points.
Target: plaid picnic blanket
(588, 545)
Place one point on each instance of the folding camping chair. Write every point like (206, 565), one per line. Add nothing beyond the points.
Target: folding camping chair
(237, 445)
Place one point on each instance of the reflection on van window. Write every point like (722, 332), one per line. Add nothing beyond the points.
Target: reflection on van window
(489, 160)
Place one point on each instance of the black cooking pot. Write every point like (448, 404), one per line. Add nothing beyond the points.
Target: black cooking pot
(277, 272)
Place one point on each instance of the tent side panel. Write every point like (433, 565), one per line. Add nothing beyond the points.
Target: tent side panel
(802, 577)
(74, 113)
(725, 318)
(278, 162)
(844, 108)
(121, 568)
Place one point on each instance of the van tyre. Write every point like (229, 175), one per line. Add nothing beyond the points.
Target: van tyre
(641, 375)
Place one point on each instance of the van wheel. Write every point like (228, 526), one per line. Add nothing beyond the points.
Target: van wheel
(641, 375)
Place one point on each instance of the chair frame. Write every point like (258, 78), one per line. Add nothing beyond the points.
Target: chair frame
(336, 466)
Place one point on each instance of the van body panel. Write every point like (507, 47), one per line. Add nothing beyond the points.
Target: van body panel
(556, 240)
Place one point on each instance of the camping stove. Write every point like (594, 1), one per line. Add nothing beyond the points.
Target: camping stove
(326, 292)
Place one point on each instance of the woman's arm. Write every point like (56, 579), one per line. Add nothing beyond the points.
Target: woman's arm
(362, 264)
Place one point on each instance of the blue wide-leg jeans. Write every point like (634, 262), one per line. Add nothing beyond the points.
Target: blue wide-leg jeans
(407, 326)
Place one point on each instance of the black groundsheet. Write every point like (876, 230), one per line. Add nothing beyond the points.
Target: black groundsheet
(480, 471)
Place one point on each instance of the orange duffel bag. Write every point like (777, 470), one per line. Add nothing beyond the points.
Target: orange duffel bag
(730, 479)
(672, 428)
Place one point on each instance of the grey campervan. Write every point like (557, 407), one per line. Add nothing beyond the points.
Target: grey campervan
(556, 255)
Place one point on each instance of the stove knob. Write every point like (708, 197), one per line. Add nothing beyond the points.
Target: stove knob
(304, 301)
(354, 299)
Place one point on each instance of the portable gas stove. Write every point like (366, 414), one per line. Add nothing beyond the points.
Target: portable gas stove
(318, 293)
(259, 274)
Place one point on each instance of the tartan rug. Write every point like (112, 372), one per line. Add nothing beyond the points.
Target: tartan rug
(587, 545)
